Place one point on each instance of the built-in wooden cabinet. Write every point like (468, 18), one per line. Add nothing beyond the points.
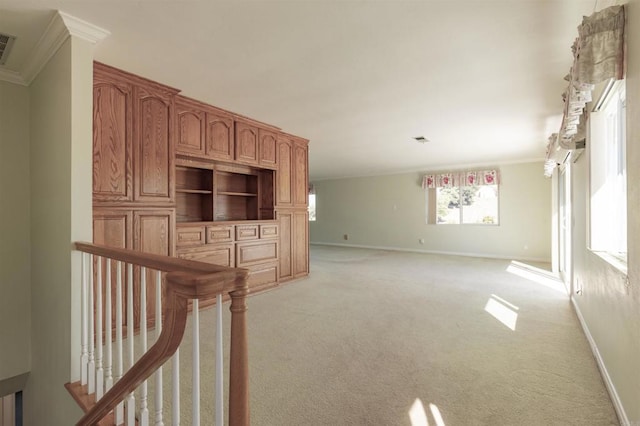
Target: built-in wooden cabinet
(153, 145)
(112, 138)
(300, 173)
(284, 176)
(178, 177)
(300, 243)
(190, 128)
(154, 230)
(267, 155)
(294, 243)
(246, 143)
(220, 137)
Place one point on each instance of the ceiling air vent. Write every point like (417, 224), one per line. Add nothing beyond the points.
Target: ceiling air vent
(6, 43)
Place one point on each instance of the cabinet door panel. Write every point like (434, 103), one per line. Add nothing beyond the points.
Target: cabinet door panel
(246, 143)
(300, 175)
(220, 138)
(300, 243)
(111, 228)
(154, 173)
(267, 146)
(112, 139)
(153, 233)
(283, 174)
(189, 130)
(285, 247)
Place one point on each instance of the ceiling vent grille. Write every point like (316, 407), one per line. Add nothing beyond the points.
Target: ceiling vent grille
(6, 43)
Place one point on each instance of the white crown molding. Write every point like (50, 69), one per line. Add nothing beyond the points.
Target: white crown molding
(83, 29)
(11, 76)
(60, 28)
(49, 43)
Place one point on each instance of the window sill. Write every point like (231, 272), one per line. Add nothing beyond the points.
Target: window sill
(612, 260)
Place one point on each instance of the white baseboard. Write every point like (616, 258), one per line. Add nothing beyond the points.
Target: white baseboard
(613, 394)
(450, 253)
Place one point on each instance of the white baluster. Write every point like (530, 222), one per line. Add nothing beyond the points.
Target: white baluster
(119, 363)
(130, 403)
(144, 410)
(108, 327)
(158, 374)
(84, 356)
(175, 389)
(99, 340)
(91, 368)
(196, 364)
(219, 389)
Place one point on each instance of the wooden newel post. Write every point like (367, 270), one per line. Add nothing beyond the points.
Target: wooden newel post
(239, 368)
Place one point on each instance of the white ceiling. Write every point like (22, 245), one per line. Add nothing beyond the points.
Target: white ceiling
(481, 79)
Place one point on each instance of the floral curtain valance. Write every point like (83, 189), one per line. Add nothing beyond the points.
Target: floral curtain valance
(468, 178)
(598, 55)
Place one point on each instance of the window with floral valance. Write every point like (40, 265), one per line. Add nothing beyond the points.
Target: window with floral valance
(463, 197)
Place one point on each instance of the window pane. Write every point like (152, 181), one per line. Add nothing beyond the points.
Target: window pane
(480, 204)
(448, 200)
(608, 177)
(312, 207)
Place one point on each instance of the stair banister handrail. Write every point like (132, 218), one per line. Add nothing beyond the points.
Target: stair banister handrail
(185, 280)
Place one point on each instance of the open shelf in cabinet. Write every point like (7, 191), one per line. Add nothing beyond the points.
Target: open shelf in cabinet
(236, 195)
(212, 191)
(194, 194)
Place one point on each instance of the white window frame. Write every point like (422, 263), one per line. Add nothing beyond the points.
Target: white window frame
(608, 176)
(461, 213)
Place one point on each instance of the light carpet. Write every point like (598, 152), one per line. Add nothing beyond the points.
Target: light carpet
(389, 338)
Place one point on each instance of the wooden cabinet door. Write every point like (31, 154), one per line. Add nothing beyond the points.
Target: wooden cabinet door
(111, 228)
(300, 246)
(112, 138)
(190, 129)
(285, 219)
(153, 145)
(220, 138)
(283, 174)
(153, 233)
(300, 188)
(267, 149)
(246, 143)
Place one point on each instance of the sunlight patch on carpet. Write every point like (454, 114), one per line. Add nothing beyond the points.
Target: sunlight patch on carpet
(536, 275)
(418, 415)
(436, 414)
(503, 311)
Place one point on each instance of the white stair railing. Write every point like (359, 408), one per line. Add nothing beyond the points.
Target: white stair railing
(104, 348)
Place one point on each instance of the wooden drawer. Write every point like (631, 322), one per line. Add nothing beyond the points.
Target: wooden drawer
(219, 234)
(251, 253)
(264, 273)
(219, 254)
(269, 231)
(246, 232)
(189, 236)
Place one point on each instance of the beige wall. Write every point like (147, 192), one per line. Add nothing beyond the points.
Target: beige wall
(608, 304)
(389, 211)
(15, 273)
(61, 104)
